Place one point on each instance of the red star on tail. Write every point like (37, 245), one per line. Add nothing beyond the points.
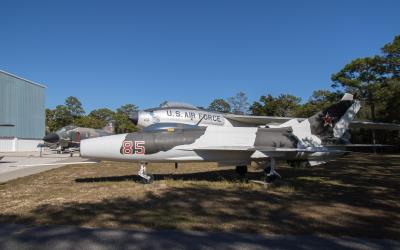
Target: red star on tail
(327, 120)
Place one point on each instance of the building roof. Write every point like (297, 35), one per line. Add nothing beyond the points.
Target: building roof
(23, 79)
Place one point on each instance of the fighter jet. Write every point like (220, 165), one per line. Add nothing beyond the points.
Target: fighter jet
(176, 112)
(68, 138)
(313, 141)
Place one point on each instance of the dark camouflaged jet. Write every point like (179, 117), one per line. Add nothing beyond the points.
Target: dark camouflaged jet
(68, 138)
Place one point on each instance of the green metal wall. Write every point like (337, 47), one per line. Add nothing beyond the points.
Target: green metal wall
(22, 103)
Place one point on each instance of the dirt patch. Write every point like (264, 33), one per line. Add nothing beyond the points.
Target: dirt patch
(353, 196)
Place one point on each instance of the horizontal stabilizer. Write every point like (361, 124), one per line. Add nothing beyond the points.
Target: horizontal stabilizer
(363, 145)
(375, 125)
(364, 148)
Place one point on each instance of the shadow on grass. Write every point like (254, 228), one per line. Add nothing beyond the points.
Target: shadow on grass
(199, 208)
(212, 176)
(317, 192)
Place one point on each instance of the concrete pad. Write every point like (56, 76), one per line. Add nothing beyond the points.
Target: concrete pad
(20, 164)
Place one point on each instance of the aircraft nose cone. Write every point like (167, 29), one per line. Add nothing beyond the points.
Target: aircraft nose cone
(134, 117)
(51, 138)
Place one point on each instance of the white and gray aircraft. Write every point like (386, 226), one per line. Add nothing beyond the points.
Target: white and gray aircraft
(176, 112)
(314, 141)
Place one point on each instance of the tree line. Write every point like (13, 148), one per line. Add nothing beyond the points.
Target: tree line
(72, 113)
(375, 80)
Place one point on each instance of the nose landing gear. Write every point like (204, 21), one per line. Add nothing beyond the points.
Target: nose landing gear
(146, 177)
(270, 174)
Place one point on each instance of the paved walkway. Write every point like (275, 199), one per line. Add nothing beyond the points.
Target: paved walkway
(68, 237)
(15, 165)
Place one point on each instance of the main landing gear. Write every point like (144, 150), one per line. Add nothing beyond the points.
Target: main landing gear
(146, 177)
(270, 174)
(241, 171)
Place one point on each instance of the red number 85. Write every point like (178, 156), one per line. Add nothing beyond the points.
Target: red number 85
(127, 147)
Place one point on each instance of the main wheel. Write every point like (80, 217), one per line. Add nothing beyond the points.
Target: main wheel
(241, 170)
(267, 169)
(148, 181)
(271, 178)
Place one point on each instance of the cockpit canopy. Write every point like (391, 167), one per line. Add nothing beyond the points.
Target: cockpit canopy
(178, 105)
(174, 105)
(66, 128)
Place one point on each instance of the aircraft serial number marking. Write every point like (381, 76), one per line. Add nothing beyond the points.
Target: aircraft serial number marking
(133, 147)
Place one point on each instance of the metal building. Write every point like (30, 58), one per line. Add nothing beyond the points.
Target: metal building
(22, 113)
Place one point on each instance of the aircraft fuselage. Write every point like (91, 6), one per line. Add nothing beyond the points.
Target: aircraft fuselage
(235, 145)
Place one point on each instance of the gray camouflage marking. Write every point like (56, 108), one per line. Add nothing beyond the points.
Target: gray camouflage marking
(165, 140)
(275, 138)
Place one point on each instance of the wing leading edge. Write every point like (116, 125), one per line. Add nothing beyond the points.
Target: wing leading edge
(274, 120)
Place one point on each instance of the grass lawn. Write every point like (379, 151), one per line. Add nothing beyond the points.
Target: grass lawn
(354, 196)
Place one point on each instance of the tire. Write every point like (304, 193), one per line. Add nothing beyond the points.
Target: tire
(145, 181)
(271, 178)
(267, 169)
(241, 170)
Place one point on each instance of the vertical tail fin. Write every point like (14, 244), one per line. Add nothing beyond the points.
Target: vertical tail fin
(334, 121)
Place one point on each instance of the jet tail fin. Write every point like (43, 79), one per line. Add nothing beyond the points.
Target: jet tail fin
(334, 121)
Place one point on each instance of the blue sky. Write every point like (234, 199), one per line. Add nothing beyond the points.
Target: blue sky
(109, 53)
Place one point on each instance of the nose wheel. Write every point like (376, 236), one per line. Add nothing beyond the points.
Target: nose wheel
(146, 177)
(270, 174)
